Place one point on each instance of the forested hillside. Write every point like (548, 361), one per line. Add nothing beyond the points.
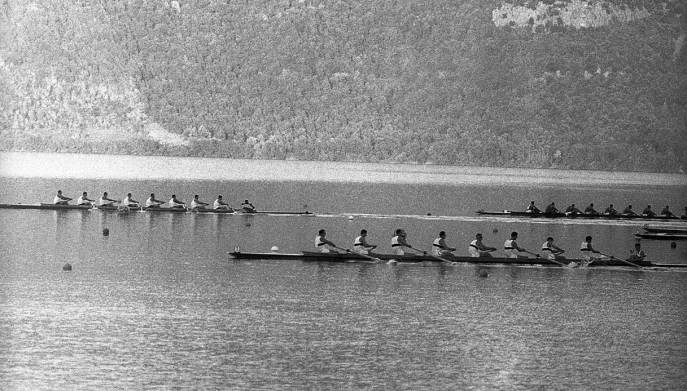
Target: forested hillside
(562, 84)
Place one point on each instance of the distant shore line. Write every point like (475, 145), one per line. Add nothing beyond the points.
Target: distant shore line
(92, 166)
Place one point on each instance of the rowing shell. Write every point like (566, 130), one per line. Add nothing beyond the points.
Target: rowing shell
(347, 257)
(44, 206)
(661, 236)
(510, 213)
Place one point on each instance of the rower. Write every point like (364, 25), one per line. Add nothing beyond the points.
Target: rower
(551, 209)
(532, 209)
(361, 246)
(323, 244)
(220, 204)
(628, 211)
(589, 210)
(440, 248)
(588, 252)
(610, 211)
(196, 203)
(572, 210)
(61, 199)
(398, 242)
(151, 202)
(248, 207)
(637, 255)
(84, 200)
(105, 200)
(666, 212)
(478, 249)
(648, 212)
(552, 251)
(176, 203)
(511, 247)
(130, 202)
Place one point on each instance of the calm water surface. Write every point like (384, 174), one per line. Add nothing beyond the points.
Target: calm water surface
(158, 304)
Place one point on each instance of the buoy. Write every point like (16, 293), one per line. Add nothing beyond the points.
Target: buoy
(106, 232)
(274, 249)
(67, 267)
(483, 273)
(392, 262)
(350, 217)
(429, 214)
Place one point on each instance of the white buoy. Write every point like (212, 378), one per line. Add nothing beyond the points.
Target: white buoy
(392, 262)
(274, 249)
(350, 217)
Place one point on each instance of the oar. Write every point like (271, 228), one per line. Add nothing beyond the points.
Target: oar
(530, 252)
(621, 260)
(553, 260)
(431, 255)
(355, 253)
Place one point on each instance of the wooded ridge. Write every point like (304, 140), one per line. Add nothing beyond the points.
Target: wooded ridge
(541, 84)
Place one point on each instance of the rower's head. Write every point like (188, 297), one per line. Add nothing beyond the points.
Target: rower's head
(611, 206)
(246, 202)
(59, 192)
(531, 202)
(152, 195)
(195, 197)
(442, 234)
(549, 239)
(322, 232)
(105, 194)
(648, 206)
(638, 246)
(513, 235)
(478, 236)
(174, 196)
(591, 204)
(363, 232)
(573, 205)
(84, 194)
(399, 232)
(219, 197)
(629, 207)
(588, 239)
(128, 195)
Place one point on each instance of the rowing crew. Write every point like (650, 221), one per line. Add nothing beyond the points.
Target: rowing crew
(610, 211)
(152, 202)
(476, 247)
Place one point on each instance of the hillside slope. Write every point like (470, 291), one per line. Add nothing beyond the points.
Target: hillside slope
(567, 84)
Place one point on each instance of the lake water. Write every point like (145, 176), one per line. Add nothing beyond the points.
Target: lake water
(158, 303)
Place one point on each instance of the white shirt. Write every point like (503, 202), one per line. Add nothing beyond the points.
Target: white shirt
(81, 201)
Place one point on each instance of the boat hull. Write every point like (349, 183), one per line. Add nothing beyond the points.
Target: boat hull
(150, 209)
(352, 257)
(662, 236)
(509, 213)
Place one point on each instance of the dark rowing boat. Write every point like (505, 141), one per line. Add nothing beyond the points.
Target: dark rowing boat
(662, 236)
(352, 257)
(44, 206)
(510, 213)
(665, 230)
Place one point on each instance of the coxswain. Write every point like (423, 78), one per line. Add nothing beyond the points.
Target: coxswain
(648, 212)
(130, 202)
(440, 248)
(572, 210)
(175, 203)
(478, 249)
(532, 209)
(589, 210)
(610, 211)
(588, 252)
(151, 202)
(666, 212)
(196, 203)
(511, 247)
(220, 204)
(248, 207)
(61, 199)
(105, 200)
(360, 245)
(551, 209)
(551, 251)
(637, 255)
(323, 244)
(398, 242)
(84, 200)
(628, 211)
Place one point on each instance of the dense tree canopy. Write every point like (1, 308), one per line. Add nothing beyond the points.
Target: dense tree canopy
(386, 80)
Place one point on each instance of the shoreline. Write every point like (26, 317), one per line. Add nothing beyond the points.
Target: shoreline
(130, 167)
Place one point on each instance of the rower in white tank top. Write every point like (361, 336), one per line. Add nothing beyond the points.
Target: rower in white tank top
(322, 244)
(478, 249)
(440, 248)
(220, 204)
(61, 199)
(398, 242)
(175, 203)
(511, 248)
(360, 244)
(550, 250)
(84, 200)
(151, 202)
(105, 200)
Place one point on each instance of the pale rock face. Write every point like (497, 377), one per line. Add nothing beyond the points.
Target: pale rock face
(574, 13)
